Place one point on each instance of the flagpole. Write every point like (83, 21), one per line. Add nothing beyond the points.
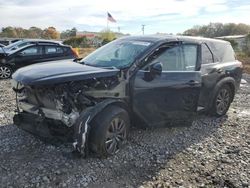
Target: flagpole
(107, 23)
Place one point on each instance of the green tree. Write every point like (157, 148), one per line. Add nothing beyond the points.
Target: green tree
(68, 33)
(218, 29)
(77, 42)
(107, 36)
(246, 48)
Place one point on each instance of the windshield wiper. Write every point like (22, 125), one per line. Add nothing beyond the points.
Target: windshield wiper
(78, 60)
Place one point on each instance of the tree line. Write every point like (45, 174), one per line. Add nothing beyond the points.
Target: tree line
(68, 36)
(218, 29)
(36, 32)
(210, 30)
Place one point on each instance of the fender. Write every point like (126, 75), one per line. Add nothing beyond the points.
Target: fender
(227, 80)
(82, 126)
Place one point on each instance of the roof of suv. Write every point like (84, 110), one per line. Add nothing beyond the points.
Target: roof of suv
(162, 37)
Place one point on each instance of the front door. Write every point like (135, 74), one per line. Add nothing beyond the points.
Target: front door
(28, 56)
(172, 96)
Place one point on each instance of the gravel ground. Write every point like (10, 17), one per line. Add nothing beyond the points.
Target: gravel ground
(213, 152)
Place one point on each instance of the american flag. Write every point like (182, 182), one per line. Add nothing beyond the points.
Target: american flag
(110, 18)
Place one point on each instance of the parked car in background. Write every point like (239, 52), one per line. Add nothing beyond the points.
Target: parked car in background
(152, 80)
(24, 42)
(7, 41)
(31, 54)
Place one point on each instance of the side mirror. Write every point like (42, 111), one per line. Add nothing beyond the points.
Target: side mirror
(156, 69)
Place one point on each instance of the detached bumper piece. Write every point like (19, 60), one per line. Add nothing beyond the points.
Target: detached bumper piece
(44, 128)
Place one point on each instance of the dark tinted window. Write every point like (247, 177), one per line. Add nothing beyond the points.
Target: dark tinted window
(35, 50)
(23, 44)
(190, 56)
(206, 54)
(53, 50)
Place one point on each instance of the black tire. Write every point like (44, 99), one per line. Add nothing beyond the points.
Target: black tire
(5, 72)
(221, 101)
(102, 129)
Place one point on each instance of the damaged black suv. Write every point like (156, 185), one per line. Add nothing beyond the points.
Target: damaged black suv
(146, 80)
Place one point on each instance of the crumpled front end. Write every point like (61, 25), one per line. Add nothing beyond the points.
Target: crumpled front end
(63, 105)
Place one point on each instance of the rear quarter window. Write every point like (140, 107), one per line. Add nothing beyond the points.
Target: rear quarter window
(228, 54)
(223, 51)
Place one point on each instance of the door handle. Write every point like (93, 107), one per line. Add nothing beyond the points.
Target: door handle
(192, 82)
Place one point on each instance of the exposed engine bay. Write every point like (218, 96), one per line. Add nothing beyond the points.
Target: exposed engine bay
(65, 101)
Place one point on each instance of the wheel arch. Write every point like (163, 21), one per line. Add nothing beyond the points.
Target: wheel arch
(224, 81)
(82, 126)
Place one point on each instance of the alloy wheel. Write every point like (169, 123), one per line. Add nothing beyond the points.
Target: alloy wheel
(116, 135)
(5, 72)
(222, 101)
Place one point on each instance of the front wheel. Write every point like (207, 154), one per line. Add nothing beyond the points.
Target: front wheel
(109, 131)
(222, 101)
(5, 72)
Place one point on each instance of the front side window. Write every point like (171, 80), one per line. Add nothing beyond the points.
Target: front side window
(176, 57)
(206, 55)
(31, 51)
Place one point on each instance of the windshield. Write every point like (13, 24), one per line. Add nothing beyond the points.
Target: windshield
(16, 45)
(119, 54)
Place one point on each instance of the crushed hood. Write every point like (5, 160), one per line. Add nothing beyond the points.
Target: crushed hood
(58, 72)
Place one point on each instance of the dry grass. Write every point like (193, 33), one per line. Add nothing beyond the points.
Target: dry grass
(83, 52)
(246, 62)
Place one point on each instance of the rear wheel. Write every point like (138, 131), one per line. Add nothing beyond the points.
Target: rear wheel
(5, 72)
(109, 131)
(222, 101)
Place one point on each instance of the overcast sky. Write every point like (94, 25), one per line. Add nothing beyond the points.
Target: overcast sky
(165, 16)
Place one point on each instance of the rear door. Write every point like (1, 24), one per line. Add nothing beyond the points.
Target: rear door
(171, 97)
(53, 52)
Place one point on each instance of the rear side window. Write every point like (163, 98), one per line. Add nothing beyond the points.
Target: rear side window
(176, 57)
(190, 56)
(53, 50)
(206, 55)
(67, 50)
